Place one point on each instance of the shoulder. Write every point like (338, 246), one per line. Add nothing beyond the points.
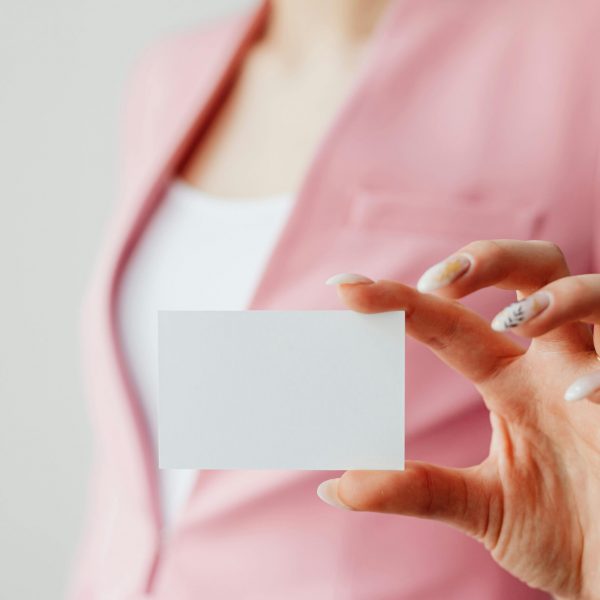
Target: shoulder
(172, 55)
(169, 74)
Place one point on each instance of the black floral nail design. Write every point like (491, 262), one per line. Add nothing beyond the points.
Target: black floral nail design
(515, 315)
(518, 312)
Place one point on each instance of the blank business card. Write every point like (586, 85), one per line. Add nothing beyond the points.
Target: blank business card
(281, 390)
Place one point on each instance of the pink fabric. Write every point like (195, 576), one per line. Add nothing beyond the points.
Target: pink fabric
(470, 120)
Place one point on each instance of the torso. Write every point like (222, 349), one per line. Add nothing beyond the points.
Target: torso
(476, 120)
(186, 261)
(258, 146)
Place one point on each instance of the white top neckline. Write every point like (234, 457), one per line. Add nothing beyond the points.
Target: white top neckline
(187, 191)
(198, 252)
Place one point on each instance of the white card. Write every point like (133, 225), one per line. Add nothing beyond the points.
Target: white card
(281, 390)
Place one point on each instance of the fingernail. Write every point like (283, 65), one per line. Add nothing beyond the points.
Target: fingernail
(327, 491)
(583, 387)
(348, 278)
(444, 273)
(519, 312)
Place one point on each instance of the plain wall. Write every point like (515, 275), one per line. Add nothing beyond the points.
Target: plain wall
(63, 65)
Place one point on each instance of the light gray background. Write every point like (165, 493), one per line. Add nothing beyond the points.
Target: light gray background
(63, 65)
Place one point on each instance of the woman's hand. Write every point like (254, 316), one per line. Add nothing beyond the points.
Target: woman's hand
(535, 500)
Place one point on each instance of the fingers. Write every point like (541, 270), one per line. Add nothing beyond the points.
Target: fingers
(460, 497)
(511, 264)
(460, 337)
(507, 264)
(567, 300)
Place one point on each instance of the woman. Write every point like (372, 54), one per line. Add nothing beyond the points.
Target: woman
(392, 135)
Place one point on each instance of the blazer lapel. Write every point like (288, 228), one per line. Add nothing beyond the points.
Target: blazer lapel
(198, 85)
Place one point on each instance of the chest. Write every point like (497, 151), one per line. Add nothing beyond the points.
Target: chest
(270, 122)
(467, 122)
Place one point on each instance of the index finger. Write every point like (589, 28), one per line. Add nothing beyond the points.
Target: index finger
(459, 336)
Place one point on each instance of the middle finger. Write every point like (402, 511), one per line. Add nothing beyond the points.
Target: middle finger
(509, 264)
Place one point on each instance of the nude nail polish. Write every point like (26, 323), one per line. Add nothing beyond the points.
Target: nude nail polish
(327, 492)
(444, 273)
(583, 387)
(347, 278)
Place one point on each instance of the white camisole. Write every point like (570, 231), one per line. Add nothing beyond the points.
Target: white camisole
(197, 253)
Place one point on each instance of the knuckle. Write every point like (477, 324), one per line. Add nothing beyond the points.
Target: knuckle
(491, 374)
(437, 498)
(552, 248)
(554, 253)
(427, 503)
(491, 250)
(573, 287)
(446, 336)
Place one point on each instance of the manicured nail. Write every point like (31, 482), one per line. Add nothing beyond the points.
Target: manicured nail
(583, 387)
(444, 273)
(327, 491)
(347, 278)
(519, 312)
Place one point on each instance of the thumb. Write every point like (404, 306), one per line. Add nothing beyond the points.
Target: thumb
(459, 497)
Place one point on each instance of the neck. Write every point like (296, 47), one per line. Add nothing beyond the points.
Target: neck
(297, 26)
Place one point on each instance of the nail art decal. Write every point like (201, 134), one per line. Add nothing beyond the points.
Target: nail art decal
(519, 312)
(444, 273)
(583, 387)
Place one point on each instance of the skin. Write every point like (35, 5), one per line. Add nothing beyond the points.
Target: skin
(533, 502)
(303, 65)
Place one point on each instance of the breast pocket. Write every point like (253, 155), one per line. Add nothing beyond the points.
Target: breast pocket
(397, 235)
(427, 217)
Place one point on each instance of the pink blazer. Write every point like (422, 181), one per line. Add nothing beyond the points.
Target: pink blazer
(470, 120)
